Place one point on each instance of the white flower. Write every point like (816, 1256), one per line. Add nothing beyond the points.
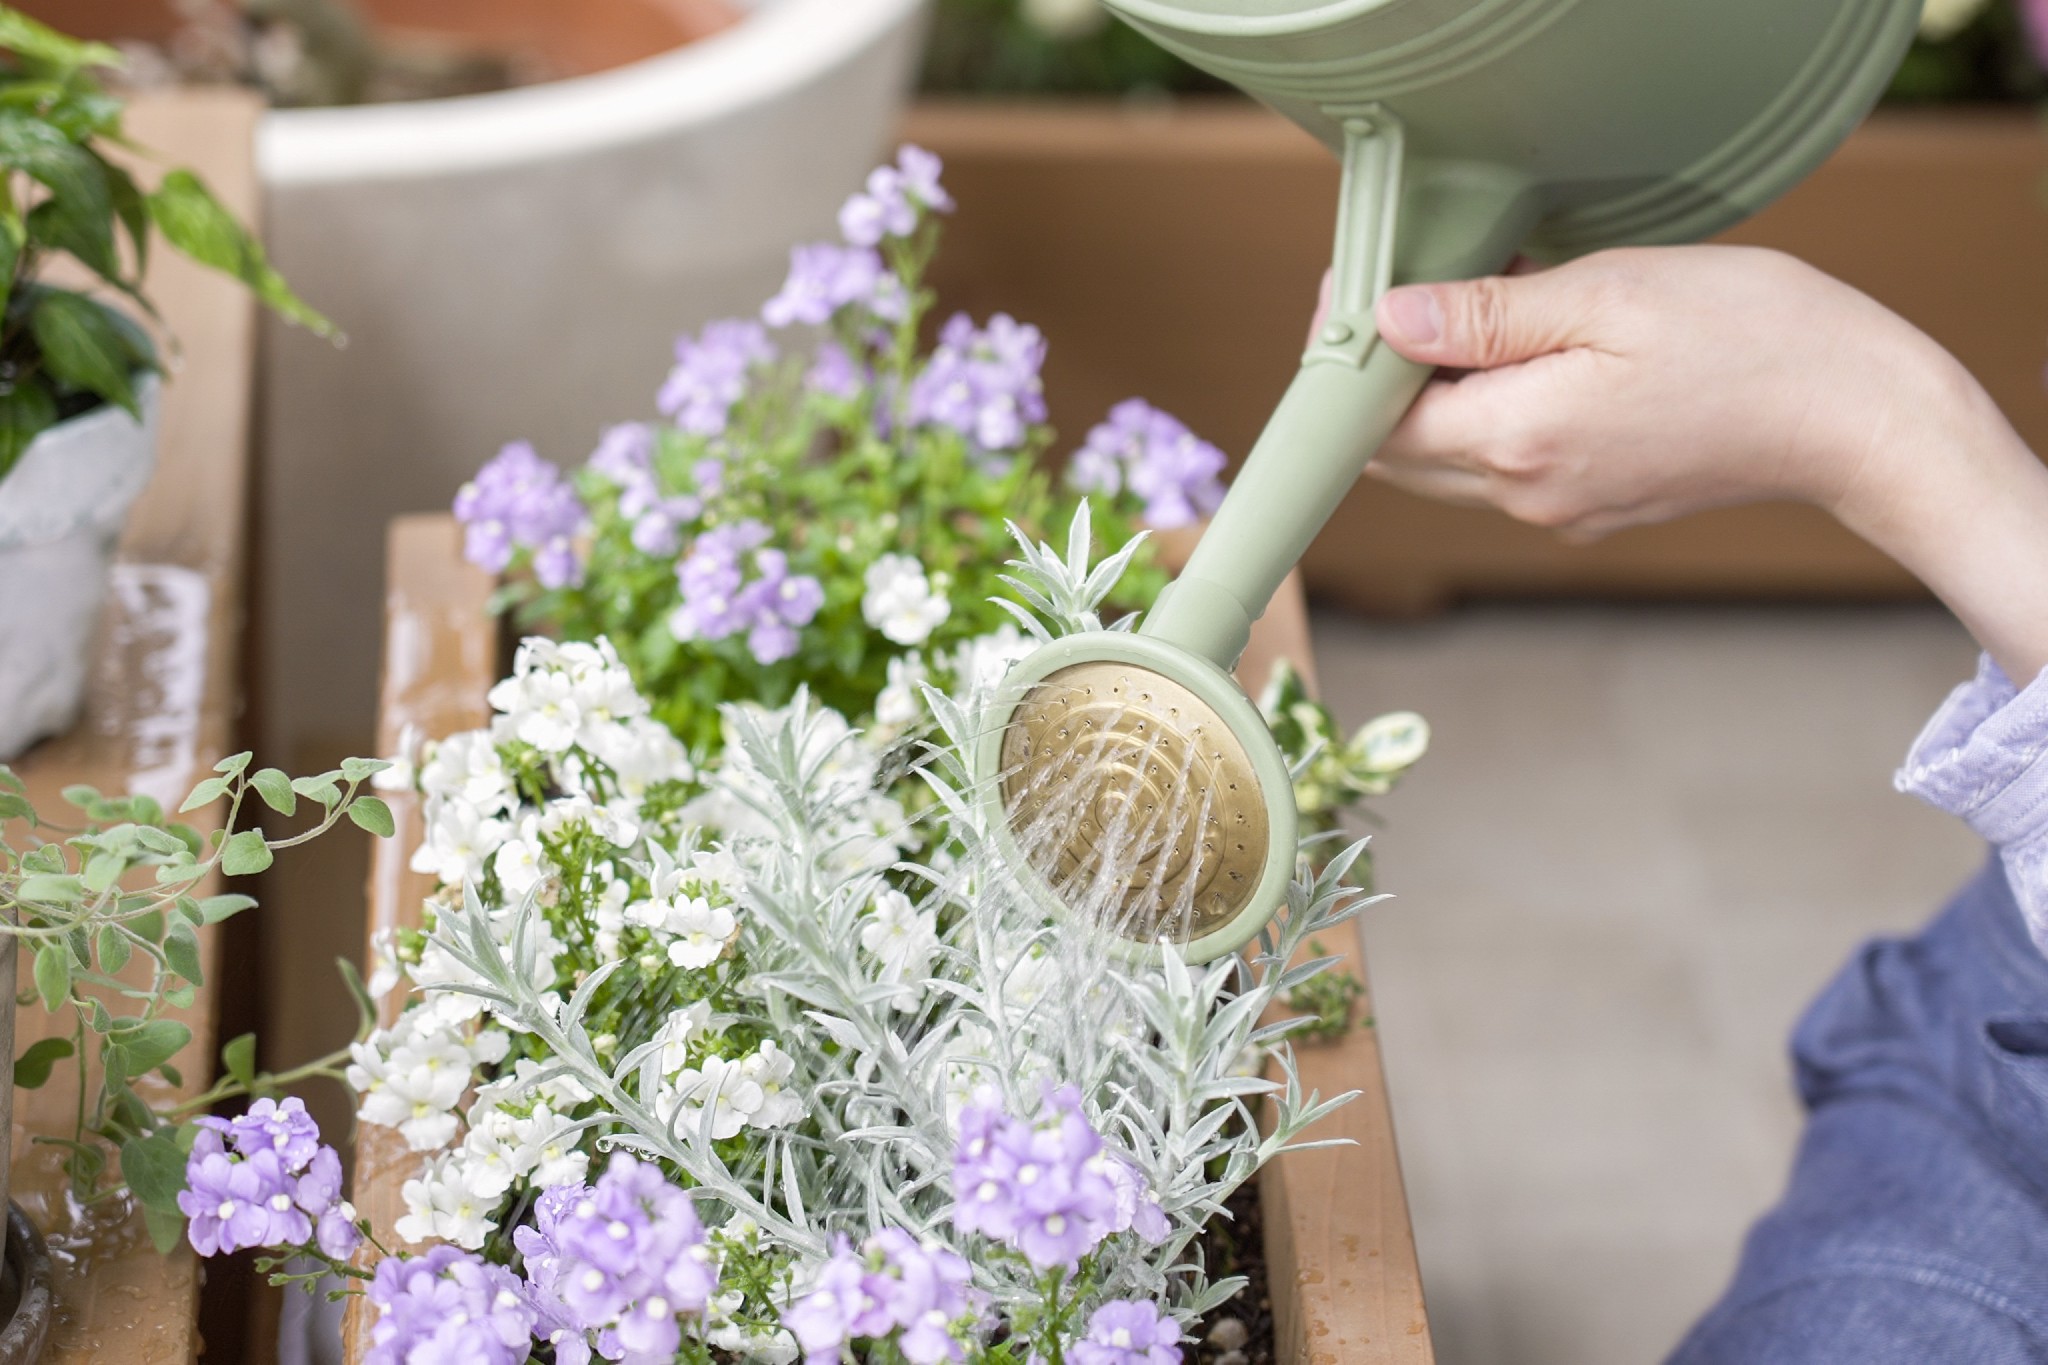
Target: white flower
(519, 865)
(770, 1068)
(641, 753)
(903, 940)
(720, 1085)
(403, 774)
(459, 838)
(539, 704)
(448, 1201)
(900, 601)
(682, 1028)
(979, 664)
(900, 702)
(557, 1159)
(701, 931)
(412, 1076)
(466, 767)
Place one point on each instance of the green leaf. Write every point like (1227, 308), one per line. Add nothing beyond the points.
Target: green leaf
(53, 975)
(245, 853)
(189, 908)
(32, 1068)
(115, 948)
(46, 47)
(51, 888)
(320, 788)
(155, 1043)
(154, 1168)
(276, 790)
(214, 909)
(194, 222)
(234, 764)
(171, 1074)
(14, 807)
(83, 348)
(181, 951)
(372, 814)
(79, 212)
(166, 1227)
(132, 209)
(180, 997)
(205, 794)
(26, 411)
(103, 869)
(356, 769)
(148, 927)
(238, 1059)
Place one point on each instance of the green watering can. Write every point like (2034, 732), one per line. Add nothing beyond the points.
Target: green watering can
(1130, 782)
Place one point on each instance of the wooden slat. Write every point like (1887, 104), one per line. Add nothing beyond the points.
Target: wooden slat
(440, 658)
(161, 711)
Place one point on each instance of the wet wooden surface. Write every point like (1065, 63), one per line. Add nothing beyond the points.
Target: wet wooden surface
(1342, 1257)
(440, 658)
(161, 712)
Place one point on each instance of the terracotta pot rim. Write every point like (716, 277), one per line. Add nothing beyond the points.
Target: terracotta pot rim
(782, 47)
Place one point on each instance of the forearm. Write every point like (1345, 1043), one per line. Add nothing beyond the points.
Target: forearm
(1963, 504)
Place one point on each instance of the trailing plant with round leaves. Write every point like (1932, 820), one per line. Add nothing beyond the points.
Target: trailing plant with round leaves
(109, 913)
(65, 351)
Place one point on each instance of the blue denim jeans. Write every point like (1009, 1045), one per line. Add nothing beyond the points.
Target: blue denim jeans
(1915, 1225)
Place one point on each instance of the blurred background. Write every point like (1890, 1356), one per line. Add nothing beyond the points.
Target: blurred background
(1658, 812)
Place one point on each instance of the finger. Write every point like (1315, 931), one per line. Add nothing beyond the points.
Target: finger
(1486, 323)
(1455, 422)
(1463, 487)
(1324, 292)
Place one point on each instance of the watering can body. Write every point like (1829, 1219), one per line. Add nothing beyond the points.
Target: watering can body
(1473, 130)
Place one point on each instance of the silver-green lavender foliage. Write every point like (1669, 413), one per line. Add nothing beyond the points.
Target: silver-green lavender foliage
(1166, 1057)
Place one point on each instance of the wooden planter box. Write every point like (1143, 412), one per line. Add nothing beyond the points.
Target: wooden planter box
(1173, 252)
(1340, 1254)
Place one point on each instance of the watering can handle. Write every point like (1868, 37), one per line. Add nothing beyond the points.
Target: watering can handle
(1398, 220)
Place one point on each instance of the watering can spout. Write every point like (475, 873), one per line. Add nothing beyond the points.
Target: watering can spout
(1400, 221)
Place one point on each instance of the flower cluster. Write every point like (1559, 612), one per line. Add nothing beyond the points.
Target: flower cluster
(623, 1260)
(264, 1179)
(521, 502)
(893, 1285)
(1128, 1332)
(1048, 1188)
(448, 1306)
(1156, 458)
(710, 375)
(811, 507)
(720, 600)
(983, 383)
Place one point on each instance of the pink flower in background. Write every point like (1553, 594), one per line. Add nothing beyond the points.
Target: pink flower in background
(2035, 12)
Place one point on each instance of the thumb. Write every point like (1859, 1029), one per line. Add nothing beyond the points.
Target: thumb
(1480, 324)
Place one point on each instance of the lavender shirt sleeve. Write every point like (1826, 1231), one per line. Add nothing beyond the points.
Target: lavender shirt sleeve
(1984, 758)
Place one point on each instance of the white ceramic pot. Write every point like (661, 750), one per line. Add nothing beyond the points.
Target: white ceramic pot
(518, 265)
(61, 511)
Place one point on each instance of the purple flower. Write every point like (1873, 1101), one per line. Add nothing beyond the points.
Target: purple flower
(623, 1258)
(720, 601)
(1157, 458)
(336, 1234)
(824, 278)
(448, 1307)
(284, 1128)
(1045, 1188)
(983, 384)
(710, 374)
(517, 501)
(556, 565)
(624, 452)
(834, 373)
(266, 1190)
(890, 204)
(893, 1283)
(1128, 1332)
(236, 1203)
(2036, 15)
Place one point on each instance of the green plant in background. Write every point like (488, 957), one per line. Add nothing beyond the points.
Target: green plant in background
(109, 913)
(64, 351)
(1976, 50)
(1049, 47)
(1327, 998)
(1332, 773)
